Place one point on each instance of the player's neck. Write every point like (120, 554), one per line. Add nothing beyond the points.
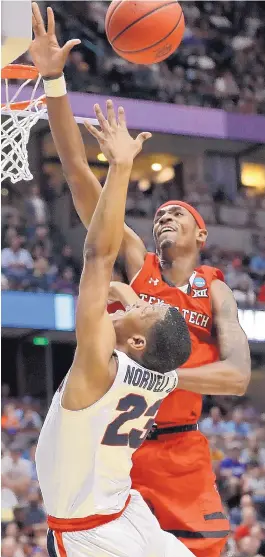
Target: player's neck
(179, 270)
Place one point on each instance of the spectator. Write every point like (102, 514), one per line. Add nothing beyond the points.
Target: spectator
(254, 482)
(231, 464)
(31, 421)
(253, 452)
(214, 424)
(42, 277)
(4, 283)
(37, 251)
(13, 227)
(244, 293)
(66, 283)
(8, 234)
(35, 209)
(248, 547)
(67, 260)
(249, 519)
(235, 514)
(237, 425)
(217, 455)
(16, 472)
(8, 503)
(16, 261)
(32, 453)
(235, 275)
(10, 548)
(257, 265)
(42, 239)
(34, 513)
(10, 422)
(77, 72)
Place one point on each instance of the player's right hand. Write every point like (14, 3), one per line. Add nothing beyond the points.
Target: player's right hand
(48, 57)
(114, 139)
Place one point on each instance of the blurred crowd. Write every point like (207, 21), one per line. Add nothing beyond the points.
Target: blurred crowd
(34, 256)
(220, 64)
(237, 444)
(244, 274)
(23, 517)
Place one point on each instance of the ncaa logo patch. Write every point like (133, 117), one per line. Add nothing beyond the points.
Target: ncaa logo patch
(199, 282)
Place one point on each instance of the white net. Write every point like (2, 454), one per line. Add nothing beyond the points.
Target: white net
(15, 133)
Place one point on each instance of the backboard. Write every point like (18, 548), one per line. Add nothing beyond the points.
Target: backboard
(16, 29)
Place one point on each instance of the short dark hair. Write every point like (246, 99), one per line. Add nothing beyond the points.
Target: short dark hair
(168, 343)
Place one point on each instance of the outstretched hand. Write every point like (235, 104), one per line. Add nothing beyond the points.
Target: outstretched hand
(114, 139)
(48, 57)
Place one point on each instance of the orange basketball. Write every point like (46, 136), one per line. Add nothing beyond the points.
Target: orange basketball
(144, 31)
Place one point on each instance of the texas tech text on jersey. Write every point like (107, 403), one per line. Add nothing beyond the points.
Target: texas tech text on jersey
(190, 316)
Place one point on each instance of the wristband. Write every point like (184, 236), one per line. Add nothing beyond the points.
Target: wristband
(55, 87)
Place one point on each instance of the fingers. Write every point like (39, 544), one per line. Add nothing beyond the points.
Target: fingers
(37, 21)
(69, 45)
(101, 119)
(92, 130)
(51, 22)
(142, 137)
(121, 117)
(111, 114)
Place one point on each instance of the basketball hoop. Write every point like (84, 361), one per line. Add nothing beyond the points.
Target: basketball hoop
(20, 117)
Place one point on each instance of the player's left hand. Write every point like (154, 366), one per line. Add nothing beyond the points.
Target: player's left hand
(114, 139)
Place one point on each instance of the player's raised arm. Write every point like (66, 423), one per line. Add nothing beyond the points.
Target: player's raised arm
(231, 375)
(50, 60)
(94, 329)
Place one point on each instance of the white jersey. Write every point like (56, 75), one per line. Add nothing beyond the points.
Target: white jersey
(84, 457)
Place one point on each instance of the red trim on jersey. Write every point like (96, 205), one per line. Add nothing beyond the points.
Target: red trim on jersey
(87, 523)
(60, 544)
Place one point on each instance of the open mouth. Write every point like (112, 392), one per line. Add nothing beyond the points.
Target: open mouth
(166, 229)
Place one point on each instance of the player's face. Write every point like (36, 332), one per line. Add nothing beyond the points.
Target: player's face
(136, 319)
(174, 225)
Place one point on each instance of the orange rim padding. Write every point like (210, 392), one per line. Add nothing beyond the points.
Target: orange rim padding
(23, 105)
(19, 71)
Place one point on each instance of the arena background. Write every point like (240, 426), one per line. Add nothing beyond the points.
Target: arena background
(206, 108)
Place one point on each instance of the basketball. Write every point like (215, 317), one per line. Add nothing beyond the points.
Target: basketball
(144, 31)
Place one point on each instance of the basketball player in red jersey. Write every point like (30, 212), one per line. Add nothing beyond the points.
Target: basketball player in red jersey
(172, 469)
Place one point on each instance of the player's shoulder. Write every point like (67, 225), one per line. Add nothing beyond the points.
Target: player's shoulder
(150, 256)
(209, 273)
(150, 264)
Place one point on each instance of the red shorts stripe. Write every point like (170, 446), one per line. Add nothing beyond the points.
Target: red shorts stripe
(60, 545)
(86, 523)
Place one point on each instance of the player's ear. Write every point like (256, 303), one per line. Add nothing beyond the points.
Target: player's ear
(137, 342)
(202, 235)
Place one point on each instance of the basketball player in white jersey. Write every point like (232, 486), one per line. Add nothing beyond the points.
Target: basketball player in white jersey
(107, 403)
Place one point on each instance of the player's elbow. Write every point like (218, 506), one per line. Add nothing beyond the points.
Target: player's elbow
(245, 379)
(97, 257)
(239, 381)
